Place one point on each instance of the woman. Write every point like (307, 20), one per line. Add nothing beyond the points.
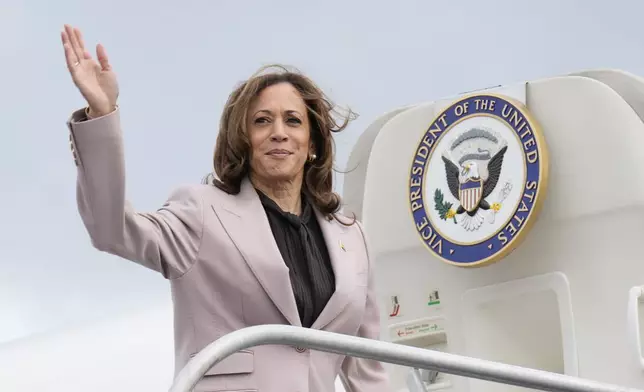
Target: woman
(263, 246)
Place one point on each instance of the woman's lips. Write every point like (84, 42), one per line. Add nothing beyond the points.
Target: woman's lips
(278, 153)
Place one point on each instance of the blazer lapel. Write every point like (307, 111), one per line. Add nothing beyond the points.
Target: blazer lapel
(244, 218)
(343, 268)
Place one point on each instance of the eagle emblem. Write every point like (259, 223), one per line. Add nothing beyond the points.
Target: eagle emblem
(473, 165)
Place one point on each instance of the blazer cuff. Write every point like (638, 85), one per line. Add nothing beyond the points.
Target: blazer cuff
(82, 115)
(89, 134)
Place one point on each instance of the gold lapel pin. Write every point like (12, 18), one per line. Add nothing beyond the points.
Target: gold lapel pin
(342, 247)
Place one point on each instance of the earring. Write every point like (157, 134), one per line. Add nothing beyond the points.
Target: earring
(312, 157)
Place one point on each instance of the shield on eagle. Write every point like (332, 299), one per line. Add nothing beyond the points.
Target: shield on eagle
(470, 193)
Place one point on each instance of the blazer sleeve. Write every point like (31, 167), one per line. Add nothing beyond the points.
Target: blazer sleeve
(360, 374)
(166, 240)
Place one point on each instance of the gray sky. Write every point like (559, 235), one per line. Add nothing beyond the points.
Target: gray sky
(177, 65)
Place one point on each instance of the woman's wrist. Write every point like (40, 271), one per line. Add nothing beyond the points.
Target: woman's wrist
(91, 113)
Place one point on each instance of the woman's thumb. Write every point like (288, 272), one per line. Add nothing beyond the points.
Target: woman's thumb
(101, 54)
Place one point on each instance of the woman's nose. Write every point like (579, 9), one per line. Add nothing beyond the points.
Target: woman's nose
(279, 132)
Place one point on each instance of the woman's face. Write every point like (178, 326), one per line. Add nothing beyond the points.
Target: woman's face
(280, 136)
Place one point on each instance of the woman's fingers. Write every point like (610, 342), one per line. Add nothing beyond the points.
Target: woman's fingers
(102, 58)
(73, 39)
(79, 36)
(79, 39)
(70, 56)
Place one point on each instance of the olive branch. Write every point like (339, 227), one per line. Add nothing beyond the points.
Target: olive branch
(442, 206)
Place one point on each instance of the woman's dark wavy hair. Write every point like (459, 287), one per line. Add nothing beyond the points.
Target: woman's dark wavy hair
(232, 149)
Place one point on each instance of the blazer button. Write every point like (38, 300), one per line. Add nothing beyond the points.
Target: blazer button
(300, 349)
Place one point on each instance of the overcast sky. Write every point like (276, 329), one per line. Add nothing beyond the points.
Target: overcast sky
(177, 64)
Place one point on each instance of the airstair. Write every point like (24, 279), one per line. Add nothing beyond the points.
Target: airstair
(416, 358)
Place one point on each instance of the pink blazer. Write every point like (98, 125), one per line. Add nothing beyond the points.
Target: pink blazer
(226, 272)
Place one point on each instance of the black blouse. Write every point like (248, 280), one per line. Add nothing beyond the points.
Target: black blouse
(301, 243)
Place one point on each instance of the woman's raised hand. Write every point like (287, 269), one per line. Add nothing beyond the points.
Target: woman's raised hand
(95, 79)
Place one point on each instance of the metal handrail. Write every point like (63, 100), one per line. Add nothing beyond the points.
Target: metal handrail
(381, 351)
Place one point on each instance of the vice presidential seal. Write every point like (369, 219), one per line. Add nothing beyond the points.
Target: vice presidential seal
(477, 179)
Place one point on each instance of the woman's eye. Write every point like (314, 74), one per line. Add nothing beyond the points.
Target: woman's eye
(261, 120)
(294, 120)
